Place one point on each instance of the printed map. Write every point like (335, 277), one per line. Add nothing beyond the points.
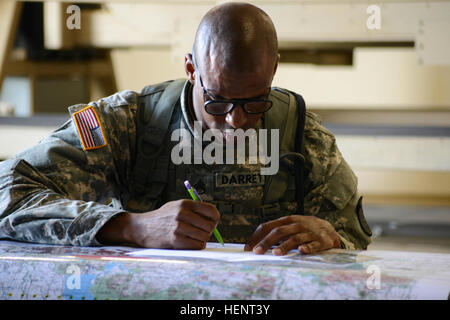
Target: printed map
(33, 271)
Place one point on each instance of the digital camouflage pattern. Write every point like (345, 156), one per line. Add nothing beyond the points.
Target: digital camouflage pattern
(54, 192)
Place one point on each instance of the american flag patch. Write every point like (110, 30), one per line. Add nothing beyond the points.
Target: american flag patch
(89, 128)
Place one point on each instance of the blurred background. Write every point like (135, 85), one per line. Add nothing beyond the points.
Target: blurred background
(378, 73)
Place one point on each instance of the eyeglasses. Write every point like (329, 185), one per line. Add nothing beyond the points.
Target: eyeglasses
(220, 107)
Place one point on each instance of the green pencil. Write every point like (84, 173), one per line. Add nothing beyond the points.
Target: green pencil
(196, 197)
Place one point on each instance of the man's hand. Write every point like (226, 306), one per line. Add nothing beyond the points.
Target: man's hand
(307, 233)
(182, 224)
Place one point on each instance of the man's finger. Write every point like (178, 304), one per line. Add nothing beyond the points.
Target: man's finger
(197, 220)
(260, 232)
(292, 243)
(311, 247)
(203, 208)
(183, 242)
(188, 230)
(275, 236)
(264, 229)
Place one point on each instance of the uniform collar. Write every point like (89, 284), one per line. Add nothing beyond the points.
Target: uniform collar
(187, 108)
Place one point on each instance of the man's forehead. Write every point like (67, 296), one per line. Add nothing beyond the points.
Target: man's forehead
(222, 81)
(236, 86)
(218, 59)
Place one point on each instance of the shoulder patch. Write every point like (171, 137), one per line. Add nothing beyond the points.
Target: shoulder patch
(89, 128)
(362, 219)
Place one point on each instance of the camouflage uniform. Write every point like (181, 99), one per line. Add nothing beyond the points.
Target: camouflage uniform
(57, 193)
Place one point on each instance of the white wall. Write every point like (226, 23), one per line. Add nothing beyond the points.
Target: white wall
(136, 68)
(379, 78)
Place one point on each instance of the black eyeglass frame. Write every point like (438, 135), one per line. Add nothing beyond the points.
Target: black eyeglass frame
(241, 102)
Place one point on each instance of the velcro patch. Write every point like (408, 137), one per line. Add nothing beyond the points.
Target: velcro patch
(89, 128)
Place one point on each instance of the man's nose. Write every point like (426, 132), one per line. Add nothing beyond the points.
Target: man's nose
(237, 118)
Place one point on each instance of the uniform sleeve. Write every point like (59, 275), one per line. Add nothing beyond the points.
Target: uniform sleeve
(331, 187)
(56, 192)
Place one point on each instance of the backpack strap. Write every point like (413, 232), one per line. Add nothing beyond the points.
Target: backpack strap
(294, 108)
(298, 155)
(156, 106)
(299, 168)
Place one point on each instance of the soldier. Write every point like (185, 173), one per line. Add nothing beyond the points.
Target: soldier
(107, 175)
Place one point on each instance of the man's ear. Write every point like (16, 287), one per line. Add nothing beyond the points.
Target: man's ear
(276, 64)
(189, 68)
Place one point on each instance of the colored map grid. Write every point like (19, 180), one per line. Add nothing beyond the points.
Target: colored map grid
(32, 271)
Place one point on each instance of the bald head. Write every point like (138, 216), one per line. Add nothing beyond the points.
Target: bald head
(236, 36)
(236, 55)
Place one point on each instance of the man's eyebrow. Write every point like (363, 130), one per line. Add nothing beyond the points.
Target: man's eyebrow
(214, 96)
(219, 97)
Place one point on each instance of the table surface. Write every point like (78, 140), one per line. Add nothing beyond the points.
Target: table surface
(34, 271)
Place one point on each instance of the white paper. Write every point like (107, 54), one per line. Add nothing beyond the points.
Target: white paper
(230, 252)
